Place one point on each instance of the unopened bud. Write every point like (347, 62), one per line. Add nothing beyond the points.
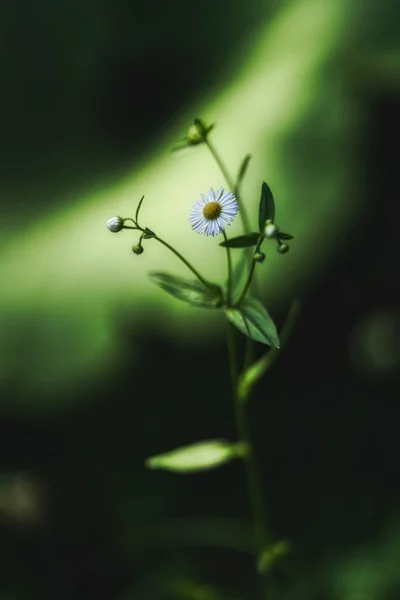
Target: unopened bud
(259, 257)
(270, 229)
(283, 248)
(115, 224)
(137, 249)
(195, 135)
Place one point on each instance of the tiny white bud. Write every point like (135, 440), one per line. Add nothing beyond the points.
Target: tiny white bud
(270, 230)
(115, 224)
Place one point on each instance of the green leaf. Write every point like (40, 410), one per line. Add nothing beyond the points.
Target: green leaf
(148, 233)
(243, 169)
(270, 555)
(193, 292)
(285, 236)
(242, 241)
(201, 456)
(254, 321)
(266, 208)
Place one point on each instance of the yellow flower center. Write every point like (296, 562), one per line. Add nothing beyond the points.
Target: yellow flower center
(212, 210)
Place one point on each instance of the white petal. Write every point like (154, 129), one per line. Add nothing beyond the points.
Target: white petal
(219, 194)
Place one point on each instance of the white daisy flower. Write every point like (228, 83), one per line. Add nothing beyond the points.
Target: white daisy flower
(211, 215)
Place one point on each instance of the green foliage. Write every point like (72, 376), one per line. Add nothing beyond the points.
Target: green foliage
(200, 456)
(252, 319)
(242, 241)
(266, 208)
(148, 233)
(270, 555)
(285, 236)
(192, 292)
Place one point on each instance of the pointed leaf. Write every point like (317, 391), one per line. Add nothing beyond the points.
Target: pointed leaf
(192, 292)
(243, 169)
(285, 236)
(242, 241)
(201, 456)
(266, 208)
(254, 321)
(148, 233)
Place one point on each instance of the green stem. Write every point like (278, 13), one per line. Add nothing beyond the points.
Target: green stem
(178, 254)
(231, 184)
(243, 432)
(251, 375)
(229, 259)
(185, 262)
(251, 272)
(235, 189)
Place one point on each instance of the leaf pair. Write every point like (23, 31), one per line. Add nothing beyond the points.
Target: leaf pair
(251, 318)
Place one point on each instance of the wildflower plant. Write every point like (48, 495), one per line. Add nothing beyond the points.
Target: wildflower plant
(236, 298)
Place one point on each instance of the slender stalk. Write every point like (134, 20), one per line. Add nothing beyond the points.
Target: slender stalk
(172, 249)
(248, 282)
(229, 259)
(251, 375)
(243, 432)
(186, 262)
(231, 184)
(251, 272)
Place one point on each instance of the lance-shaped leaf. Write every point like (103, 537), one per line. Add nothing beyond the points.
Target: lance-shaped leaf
(204, 455)
(285, 236)
(193, 292)
(266, 208)
(243, 169)
(254, 321)
(242, 241)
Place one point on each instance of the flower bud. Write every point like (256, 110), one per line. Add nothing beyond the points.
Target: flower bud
(195, 135)
(283, 248)
(115, 224)
(270, 230)
(259, 257)
(137, 249)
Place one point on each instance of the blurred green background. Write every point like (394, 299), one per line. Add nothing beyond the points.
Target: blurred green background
(99, 370)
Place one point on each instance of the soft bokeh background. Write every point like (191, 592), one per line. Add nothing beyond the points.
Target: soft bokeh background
(98, 369)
